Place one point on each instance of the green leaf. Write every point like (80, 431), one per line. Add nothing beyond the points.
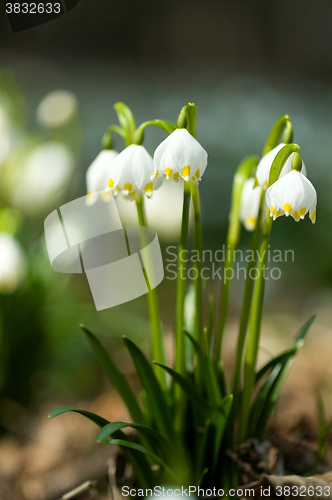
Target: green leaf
(141, 467)
(190, 390)
(208, 374)
(213, 435)
(278, 379)
(126, 120)
(138, 447)
(296, 344)
(156, 400)
(281, 358)
(88, 414)
(116, 378)
(153, 437)
(201, 477)
(304, 330)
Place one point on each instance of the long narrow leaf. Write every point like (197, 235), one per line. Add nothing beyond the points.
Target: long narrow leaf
(140, 465)
(153, 437)
(88, 414)
(210, 379)
(116, 378)
(277, 385)
(126, 118)
(138, 447)
(189, 389)
(159, 411)
(304, 329)
(281, 358)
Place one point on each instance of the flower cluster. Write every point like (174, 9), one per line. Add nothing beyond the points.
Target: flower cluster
(133, 172)
(292, 194)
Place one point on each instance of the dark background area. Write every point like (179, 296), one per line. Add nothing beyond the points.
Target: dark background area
(290, 37)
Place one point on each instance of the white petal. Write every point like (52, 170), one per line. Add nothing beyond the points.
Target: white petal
(180, 154)
(250, 199)
(264, 166)
(293, 193)
(97, 175)
(13, 265)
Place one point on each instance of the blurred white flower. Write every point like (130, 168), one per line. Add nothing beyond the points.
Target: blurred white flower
(250, 199)
(98, 174)
(57, 108)
(292, 195)
(264, 166)
(130, 173)
(5, 134)
(41, 176)
(13, 265)
(180, 155)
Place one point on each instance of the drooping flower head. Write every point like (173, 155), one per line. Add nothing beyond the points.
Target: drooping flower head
(97, 175)
(180, 155)
(293, 194)
(131, 173)
(249, 207)
(264, 166)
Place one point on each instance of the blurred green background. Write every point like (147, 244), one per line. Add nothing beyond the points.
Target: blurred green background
(243, 63)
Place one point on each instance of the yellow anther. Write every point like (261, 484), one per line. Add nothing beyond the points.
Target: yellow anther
(197, 174)
(133, 194)
(128, 186)
(287, 208)
(302, 211)
(313, 217)
(149, 187)
(176, 176)
(110, 183)
(296, 215)
(251, 222)
(185, 172)
(272, 210)
(168, 172)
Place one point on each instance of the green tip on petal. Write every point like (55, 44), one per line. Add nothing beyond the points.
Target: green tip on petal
(297, 162)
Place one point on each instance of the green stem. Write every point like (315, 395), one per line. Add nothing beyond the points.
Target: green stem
(254, 327)
(224, 299)
(156, 338)
(181, 285)
(246, 168)
(198, 265)
(258, 297)
(246, 307)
